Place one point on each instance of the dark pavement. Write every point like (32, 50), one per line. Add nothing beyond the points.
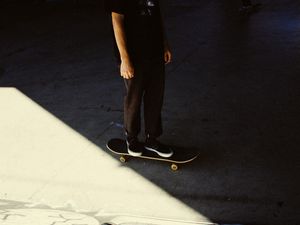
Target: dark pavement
(232, 93)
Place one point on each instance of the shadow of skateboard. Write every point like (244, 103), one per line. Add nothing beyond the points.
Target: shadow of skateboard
(130, 219)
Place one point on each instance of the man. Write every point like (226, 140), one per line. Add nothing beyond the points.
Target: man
(142, 52)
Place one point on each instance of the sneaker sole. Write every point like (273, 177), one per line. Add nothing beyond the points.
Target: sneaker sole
(136, 154)
(165, 155)
(132, 153)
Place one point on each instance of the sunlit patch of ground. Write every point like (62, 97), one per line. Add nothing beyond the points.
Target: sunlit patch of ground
(45, 161)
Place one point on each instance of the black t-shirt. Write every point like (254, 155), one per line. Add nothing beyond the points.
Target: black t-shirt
(143, 28)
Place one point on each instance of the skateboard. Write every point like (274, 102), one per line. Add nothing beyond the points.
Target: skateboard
(246, 11)
(180, 156)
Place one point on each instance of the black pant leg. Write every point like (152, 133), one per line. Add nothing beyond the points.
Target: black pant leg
(132, 102)
(153, 98)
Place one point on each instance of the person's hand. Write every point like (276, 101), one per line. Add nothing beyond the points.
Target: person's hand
(167, 55)
(127, 69)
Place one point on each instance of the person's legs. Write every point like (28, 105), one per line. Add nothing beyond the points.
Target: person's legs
(132, 108)
(132, 103)
(147, 85)
(153, 99)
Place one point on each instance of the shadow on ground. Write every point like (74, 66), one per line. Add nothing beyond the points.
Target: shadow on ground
(232, 94)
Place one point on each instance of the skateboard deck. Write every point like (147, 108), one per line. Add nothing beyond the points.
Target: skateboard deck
(180, 156)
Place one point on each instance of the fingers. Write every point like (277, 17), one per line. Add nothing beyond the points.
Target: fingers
(127, 70)
(127, 74)
(168, 57)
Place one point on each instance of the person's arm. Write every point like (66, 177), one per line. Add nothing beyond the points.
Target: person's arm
(126, 69)
(167, 49)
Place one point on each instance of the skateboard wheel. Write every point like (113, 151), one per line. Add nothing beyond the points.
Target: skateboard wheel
(123, 159)
(174, 167)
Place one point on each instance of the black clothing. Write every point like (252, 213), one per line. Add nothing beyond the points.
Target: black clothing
(246, 2)
(145, 45)
(143, 28)
(147, 85)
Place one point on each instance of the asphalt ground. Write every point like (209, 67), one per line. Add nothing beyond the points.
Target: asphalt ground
(232, 94)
